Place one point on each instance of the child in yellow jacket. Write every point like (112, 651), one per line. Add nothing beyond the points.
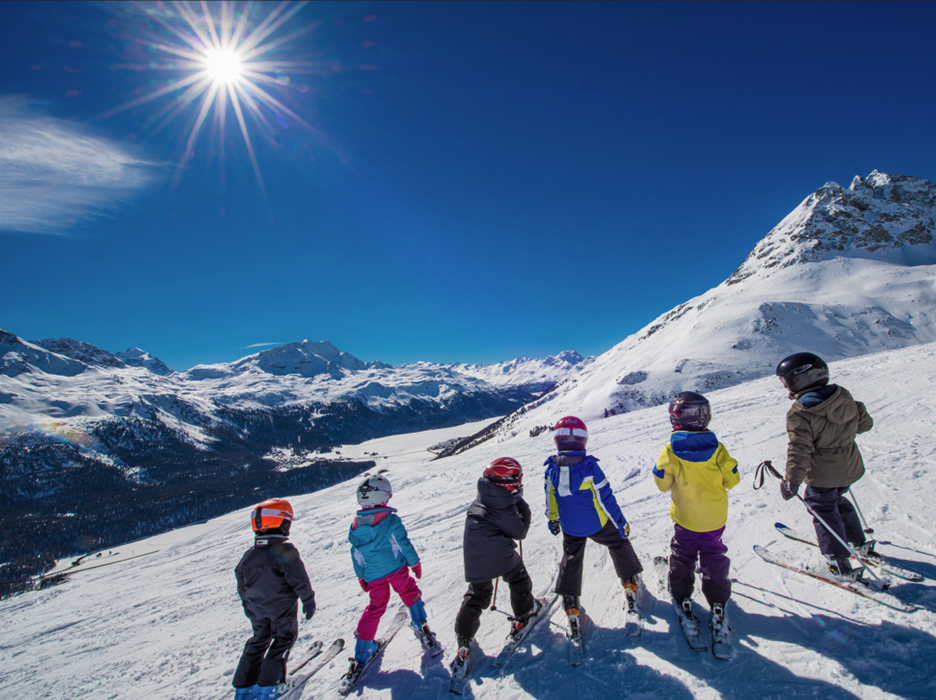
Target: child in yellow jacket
(697, 469)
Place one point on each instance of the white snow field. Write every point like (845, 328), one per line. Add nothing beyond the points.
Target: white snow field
(170, 626)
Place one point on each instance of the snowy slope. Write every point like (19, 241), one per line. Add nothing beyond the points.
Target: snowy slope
(169, 626)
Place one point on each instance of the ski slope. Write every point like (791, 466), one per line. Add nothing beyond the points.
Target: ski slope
(169, 625)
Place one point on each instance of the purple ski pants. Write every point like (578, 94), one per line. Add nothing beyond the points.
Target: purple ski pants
(379, 590)
(707, 548)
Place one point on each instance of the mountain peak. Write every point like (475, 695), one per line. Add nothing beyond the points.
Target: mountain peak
(889, 217)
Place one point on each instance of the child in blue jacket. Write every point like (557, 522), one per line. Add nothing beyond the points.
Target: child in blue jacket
(581, 505)
(382, 556)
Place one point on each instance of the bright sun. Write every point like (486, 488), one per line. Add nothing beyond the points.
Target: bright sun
(222, 65)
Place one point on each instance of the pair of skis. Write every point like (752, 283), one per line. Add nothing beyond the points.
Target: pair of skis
(428, 640)
(779, 558)
(315, 658)
(461, 668)
(722, 647)
(633, 625)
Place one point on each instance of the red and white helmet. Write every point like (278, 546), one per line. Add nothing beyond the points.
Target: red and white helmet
(272, 514)
(571, 434)
(505, 472)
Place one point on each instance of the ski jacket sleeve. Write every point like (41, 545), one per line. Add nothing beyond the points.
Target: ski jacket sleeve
(728, 466)
(525, 516)
(552, 506)
(606, 499)
(294, 572)
(800, 448)
(665, 470)
(357, 560)
(865, 422)
(400, 541)
(511, 521)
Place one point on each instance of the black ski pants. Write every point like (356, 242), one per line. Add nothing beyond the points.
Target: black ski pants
(687, 547)
(839, 514)
(264, 663)
(479, 595)
(621, 550)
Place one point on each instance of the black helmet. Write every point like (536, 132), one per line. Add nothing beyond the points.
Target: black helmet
(689, 411)
(803, 371)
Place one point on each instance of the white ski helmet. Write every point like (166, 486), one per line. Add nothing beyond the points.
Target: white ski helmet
(374, 491)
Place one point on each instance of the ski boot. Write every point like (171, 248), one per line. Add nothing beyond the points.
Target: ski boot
(461, 666)
(421, 629)
(718, 623)
(631, 590)
(866, 550)
(246, 693)
(268, 692)
(518, 624)
(841, 569)
(571, 605)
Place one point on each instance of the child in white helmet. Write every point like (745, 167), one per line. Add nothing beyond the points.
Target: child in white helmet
(382, 556)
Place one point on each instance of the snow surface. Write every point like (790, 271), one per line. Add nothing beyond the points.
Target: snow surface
(169, 625)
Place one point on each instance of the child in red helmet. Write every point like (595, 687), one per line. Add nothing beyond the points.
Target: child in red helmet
(498, 516)
(581, 505)
(270, 579)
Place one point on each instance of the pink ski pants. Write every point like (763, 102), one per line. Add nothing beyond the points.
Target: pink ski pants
(402, 583)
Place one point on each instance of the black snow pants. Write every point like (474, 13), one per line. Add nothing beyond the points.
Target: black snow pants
(621, 550)
(478, 598)
(264, 663)
(839, 514)
(707, 548)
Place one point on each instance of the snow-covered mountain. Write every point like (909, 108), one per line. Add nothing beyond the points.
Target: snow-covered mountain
(847, 272)
(79, 424)
(168, 625)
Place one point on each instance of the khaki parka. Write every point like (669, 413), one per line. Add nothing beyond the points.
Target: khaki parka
(822, 451)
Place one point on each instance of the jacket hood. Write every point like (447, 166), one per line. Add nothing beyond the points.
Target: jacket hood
(838, 408)
(694, 446)
(494, 496)
(365, 526)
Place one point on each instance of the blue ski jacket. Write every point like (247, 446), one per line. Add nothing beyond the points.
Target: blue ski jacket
(379, 544)
(579, 496)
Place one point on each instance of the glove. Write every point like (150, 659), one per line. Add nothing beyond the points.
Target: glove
(417, 569)
(624, 529)
(554, 527)
(308, 607)
(364, 585)
(788, 490)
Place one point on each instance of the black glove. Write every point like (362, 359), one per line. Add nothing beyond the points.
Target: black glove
(788, 490)
(308, 607)
(554, 527)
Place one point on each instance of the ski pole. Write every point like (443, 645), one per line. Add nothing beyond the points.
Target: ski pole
(494, 604)
(841, 541)
(759, 476)
(867, 530)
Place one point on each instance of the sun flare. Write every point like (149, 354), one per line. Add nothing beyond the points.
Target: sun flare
(223, 57)
(222, 65)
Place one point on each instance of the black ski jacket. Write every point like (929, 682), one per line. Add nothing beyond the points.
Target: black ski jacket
(495, 519)
(270, 577)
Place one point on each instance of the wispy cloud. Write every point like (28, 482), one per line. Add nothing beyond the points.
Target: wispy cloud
(54, 173)
(259, 345)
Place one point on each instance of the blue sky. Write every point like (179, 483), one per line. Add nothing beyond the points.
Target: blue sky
(450, 182)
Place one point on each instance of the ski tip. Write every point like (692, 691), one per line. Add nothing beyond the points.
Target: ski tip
(779, 525)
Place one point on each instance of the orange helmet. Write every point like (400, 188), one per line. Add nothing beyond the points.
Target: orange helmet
(272, 514)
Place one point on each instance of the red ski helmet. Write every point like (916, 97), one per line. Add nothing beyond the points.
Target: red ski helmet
(571, 434)
(272, 514)
(505, 472)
